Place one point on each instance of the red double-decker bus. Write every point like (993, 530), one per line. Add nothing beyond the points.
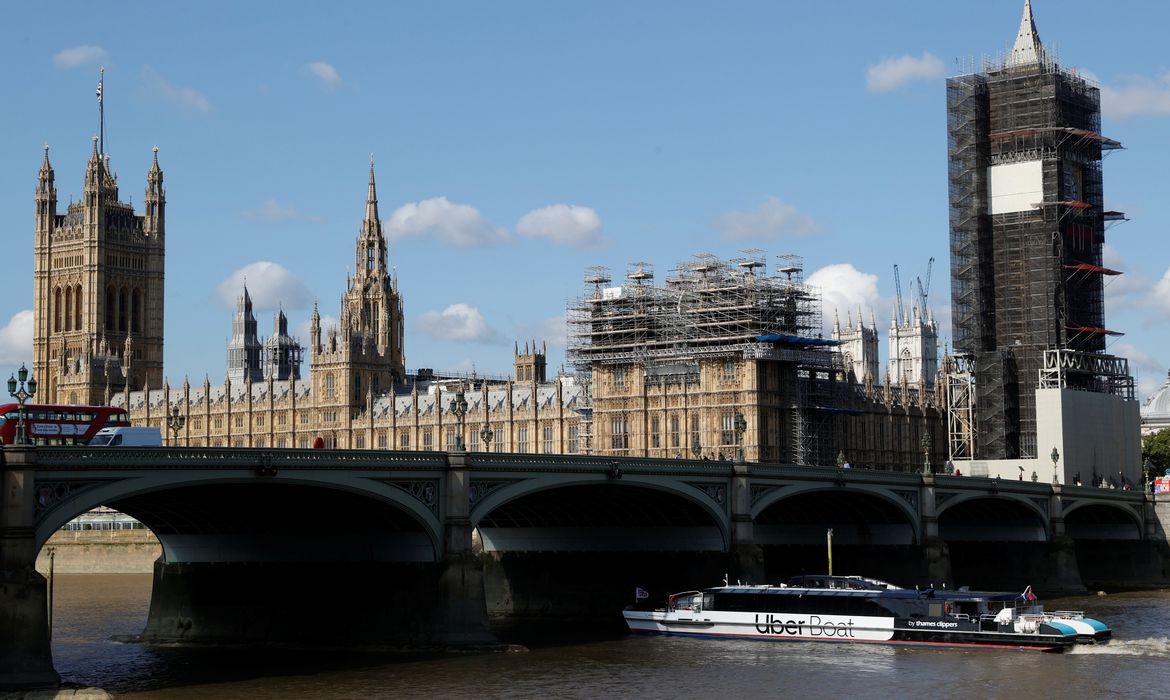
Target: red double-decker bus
(58, 425)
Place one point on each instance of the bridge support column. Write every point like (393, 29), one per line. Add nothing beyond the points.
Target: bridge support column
(935, 552)
(26, 659)
(462, 577)
(1062, 551)
(747, 557)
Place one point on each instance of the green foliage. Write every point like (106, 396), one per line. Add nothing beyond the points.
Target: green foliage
(1156, 449)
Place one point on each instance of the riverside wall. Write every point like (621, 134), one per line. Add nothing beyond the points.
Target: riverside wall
(100, 552)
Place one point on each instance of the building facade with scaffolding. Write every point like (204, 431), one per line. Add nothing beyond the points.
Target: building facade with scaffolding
(1028, 226)
(724, 356)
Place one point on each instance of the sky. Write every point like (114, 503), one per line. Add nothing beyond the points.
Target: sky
(517, 144)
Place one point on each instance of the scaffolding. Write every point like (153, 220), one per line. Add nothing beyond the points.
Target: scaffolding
(711, 308)
(707, 307)
(1027, 276)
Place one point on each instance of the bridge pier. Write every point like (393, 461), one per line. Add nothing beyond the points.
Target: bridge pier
(746, 557)
(26, 659)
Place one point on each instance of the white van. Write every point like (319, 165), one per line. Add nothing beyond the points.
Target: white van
(127, 436)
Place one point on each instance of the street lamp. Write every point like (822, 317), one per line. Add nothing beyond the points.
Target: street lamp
(175, 422)
(1055, 457)
(485, 434)
(458, 408)
(927, 443)
(696, 449)
(22, 390)
(841, 459)
(740, 427)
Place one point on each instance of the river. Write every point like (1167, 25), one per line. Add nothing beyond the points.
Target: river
(90, 610)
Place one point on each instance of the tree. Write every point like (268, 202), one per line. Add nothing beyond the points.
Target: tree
(1156, 448)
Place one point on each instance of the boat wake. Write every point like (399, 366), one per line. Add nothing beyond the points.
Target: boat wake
(1151, 646)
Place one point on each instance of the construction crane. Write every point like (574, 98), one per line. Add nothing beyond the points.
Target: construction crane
(924, 290)
(899, 312)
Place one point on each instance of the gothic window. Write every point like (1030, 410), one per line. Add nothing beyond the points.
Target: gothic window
(498, 441)
(674, 433)
(655, 427)
(357, 385)
(450, 439)
(359, 442)
(426, 439)
(619, 377)
(111, 307)
(727, 429)
(57, 310)
(370, 256)
(122, 300)
(136, 312)
(77, 308)
(907, 366)
(239, 420)
(619, 433)
(330, 389)
(574, 439)
(547, 438)
(404, 440)
(728, 371)
(522, 440)
(695, 434)
(68, 308)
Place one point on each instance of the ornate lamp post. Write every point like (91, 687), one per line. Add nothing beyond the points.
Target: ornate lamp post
(458, 408)
(927, 443)
(175, 422)
(841, 459)
(1055, 457)
(485, 434)
(22, 390)
(740, 427)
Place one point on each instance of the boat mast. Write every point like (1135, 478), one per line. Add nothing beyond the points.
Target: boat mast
(829, 538)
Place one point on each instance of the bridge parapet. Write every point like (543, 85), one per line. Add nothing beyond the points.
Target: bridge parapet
(163, 458)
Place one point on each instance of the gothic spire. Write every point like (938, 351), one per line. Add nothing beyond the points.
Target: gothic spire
(1027, 50)
(372, 197)
(46, 173)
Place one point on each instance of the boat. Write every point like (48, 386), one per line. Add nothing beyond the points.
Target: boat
(825, 608)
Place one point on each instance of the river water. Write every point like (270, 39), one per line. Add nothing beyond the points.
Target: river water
(91, 609)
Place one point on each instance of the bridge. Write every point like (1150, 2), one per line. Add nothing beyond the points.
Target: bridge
(437, 548)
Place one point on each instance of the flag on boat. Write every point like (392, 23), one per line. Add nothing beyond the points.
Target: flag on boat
(641, 594)
(1028, 595)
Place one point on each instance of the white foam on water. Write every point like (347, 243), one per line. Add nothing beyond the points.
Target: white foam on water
(1150, 646)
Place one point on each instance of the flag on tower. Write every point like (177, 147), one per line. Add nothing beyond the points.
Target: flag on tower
(99, 90)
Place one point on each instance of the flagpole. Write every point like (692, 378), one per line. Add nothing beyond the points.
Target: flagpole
(102, 113)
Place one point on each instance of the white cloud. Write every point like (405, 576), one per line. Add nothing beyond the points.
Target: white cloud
(844, 289)
(564, 224)
(1138, 96)
(894, 73)
(272, 211)
(269, 284)
(458, 322)
(16, 339)
(457, 225)
(325, 74)
(1162, 294)
(771, 220)
(1150, 373)
(80, 56)
(1131, 290)
(185, 98)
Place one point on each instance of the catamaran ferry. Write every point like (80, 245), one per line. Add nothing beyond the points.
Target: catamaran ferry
(856, 609)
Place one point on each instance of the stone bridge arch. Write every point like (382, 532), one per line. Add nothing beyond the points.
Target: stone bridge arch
(700, 501)
(878, 515)
(404, 501)
(997, 516)
(1095, 520)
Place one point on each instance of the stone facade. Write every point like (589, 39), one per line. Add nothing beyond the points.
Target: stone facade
(98, 287)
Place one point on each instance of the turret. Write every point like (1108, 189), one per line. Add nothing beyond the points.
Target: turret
(46, 197)
(155, 200)
(315, 330)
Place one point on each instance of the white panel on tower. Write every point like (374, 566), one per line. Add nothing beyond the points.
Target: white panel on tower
(1015, 186)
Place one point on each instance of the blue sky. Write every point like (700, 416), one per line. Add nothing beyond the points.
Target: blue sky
(518, 143)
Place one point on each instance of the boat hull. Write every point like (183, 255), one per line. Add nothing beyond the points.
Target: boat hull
(838, 629)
